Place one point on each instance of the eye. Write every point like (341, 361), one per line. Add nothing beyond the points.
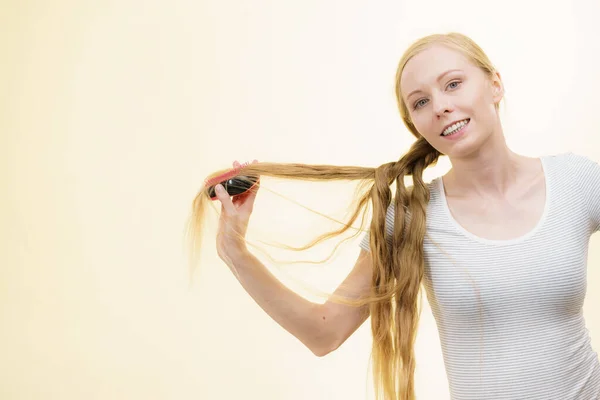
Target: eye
(419, 104)
(454, 82)
(452, 85)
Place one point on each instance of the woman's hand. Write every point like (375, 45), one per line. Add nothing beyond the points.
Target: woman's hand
(233, 222)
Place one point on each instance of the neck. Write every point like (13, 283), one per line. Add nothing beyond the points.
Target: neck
(489, 172)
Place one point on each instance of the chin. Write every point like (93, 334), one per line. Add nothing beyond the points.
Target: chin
(467, 149)
(460, 149)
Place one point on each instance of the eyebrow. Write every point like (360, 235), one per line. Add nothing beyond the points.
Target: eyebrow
(438, 79)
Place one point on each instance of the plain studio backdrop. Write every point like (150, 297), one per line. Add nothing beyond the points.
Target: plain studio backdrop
(114, 112)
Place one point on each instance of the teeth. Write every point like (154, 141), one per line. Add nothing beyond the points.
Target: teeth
(454, 127)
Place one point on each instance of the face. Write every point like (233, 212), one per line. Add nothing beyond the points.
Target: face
(442, 89)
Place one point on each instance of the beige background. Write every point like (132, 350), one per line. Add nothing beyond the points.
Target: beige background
(113, 112)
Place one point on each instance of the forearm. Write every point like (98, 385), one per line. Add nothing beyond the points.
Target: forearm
(294, 313)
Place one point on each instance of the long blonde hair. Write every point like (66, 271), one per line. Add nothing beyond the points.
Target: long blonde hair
(398, 262)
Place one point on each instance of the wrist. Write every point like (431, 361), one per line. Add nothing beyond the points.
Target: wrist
(237, 254)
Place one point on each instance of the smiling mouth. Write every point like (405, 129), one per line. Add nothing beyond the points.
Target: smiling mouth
(455, 127)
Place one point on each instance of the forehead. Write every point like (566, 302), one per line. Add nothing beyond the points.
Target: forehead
(426, 66)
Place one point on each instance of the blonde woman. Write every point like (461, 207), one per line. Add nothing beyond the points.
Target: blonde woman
(499, 243)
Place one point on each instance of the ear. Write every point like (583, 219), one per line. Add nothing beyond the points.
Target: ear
(497, 87)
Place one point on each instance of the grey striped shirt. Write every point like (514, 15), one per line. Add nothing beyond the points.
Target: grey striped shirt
(509, 312)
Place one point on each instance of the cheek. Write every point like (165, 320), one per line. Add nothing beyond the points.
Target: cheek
(419, 122)
(483, 107)
(483, 100)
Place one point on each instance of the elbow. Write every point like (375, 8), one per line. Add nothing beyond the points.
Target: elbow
(327, 338)
(326, 343)
(321, 344)
(323, 350)
(329, 347)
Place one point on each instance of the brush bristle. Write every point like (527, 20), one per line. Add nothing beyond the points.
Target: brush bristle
(227, 175)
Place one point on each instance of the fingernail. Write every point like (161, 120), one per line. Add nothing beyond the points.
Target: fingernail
(219, 188)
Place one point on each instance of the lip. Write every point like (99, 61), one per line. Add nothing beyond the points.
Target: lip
(458, 134)
(452, 123)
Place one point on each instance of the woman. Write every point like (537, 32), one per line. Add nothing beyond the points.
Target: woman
(499, 242)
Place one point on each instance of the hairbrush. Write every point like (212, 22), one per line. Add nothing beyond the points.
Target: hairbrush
(234, 183)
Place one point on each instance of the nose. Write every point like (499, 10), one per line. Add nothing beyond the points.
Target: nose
(441, 105)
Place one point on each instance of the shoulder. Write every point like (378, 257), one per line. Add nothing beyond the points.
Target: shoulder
(571, 160)
(585, 170)
(582, 161)
(576, 168)
(580, 180)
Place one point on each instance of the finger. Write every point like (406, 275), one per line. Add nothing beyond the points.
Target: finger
(255, 187)
(241, 198)
(254, 190)
(225, 200)
(246, 201)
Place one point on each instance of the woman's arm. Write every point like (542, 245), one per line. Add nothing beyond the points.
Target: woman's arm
(321, 327)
